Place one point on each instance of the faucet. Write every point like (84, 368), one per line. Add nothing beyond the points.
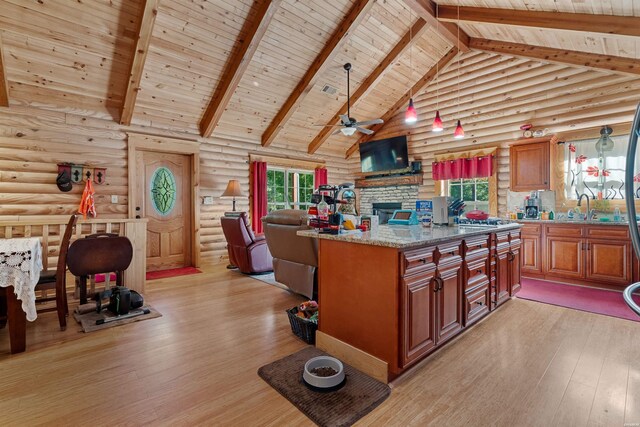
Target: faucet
(589, 215)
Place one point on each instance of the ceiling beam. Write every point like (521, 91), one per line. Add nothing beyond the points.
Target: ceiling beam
(616, 64)
(371, 81)
(145, 28)
(429, 11)
(4, 85)
(247, 45)
(607, 24)
(349, 23)
(404, 100)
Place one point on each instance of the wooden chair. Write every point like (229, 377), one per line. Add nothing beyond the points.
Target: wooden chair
(101, 253)
(57, 279)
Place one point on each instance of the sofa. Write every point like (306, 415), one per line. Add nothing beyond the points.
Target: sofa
(248, 252)
(295, 258)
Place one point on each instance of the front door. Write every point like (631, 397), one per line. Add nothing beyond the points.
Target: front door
(164, 198)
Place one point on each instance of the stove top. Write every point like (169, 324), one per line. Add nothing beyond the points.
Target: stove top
(477, 222)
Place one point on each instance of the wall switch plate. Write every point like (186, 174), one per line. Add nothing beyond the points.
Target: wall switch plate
(114, 199)
(207, 200)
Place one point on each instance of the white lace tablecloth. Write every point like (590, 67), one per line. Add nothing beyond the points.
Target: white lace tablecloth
(20, 265)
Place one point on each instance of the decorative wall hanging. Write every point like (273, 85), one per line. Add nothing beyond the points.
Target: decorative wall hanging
(99, 175)
(82, 173)
(76, 174)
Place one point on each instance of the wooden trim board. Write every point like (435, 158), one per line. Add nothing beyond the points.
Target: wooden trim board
(370, 365)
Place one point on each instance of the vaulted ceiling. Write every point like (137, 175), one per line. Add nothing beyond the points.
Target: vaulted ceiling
(256, 70)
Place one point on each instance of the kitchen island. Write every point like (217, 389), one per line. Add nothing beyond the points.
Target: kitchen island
(389, 298)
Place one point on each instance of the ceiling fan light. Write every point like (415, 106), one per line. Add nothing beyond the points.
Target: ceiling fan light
(348, 131)
(437, 123)
(459, 132)
(410, 116)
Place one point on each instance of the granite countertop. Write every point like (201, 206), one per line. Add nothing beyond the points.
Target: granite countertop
(409, 236)
(575, 222)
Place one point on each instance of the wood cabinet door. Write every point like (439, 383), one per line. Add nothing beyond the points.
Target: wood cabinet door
(449, 302)
(418, 329)
(529, 165)
(514, 271)
(502, 276)
(565, 257)
(609, 261)
(531, 257)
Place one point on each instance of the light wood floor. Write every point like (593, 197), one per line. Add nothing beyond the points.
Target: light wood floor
(526, 364)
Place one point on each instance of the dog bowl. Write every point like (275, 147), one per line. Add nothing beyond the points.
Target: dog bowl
(313, 377)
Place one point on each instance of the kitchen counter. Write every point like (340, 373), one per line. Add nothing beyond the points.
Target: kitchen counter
(409, 236)
(570, 221)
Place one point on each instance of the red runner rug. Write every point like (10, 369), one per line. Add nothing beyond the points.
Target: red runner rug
(599, 301)
(173, 272)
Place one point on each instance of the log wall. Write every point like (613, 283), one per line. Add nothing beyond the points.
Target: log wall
(33, 141)
(497, 94)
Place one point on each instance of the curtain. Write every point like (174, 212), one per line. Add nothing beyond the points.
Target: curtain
(258, 194)
(320, 177)
(473, 167)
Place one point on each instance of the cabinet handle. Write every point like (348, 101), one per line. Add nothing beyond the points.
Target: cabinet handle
(479, 271)
(423, 260)
(511, 257)
(435, 284)
(480, 302)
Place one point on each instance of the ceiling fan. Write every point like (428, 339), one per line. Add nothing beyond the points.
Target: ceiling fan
(348, 124)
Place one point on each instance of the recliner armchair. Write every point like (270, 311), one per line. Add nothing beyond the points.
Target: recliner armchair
(247, 251)
(295, 258)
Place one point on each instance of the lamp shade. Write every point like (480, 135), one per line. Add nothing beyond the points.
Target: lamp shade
(233, 189)
(437, 123)
(410, 116)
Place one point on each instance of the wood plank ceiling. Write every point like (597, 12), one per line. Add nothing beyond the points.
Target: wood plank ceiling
(89, 57)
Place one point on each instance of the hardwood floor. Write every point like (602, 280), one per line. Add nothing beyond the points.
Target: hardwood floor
(526, 364)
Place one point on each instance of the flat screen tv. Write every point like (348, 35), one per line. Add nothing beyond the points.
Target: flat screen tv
(384, 154)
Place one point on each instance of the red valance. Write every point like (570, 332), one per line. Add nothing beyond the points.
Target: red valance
(473, 167)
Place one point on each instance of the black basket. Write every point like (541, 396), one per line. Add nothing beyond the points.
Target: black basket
(303, 328)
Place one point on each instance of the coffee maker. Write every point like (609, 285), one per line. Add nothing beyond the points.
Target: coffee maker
(533, 206)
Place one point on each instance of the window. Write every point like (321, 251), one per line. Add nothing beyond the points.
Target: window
(288, 189)
(600, 175)
(474, 192)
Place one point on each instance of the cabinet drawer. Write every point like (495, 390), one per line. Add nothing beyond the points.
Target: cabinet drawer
(564, 230)
(476, 274)
(514, 235)
(418, 260)
(502, 237)
(531, 229)
(475, 248)
(476, 305)
(449, 253)
(608, 232)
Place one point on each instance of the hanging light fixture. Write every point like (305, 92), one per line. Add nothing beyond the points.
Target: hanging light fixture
(437, 121)
(410, 116)
(459, 132)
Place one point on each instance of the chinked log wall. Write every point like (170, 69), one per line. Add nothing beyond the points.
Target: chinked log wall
(33, 141)
(500, 93)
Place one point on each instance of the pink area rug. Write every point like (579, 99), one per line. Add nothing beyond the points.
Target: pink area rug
(173, 272)
(609, 303)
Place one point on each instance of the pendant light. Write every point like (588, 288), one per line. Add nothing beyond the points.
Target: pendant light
(459, 132)
(410, 116)
(437, 121)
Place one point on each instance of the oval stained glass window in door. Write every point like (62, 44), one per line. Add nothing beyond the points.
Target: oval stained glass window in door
(163, 190)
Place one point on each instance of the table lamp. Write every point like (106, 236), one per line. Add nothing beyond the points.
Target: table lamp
(233, 190)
